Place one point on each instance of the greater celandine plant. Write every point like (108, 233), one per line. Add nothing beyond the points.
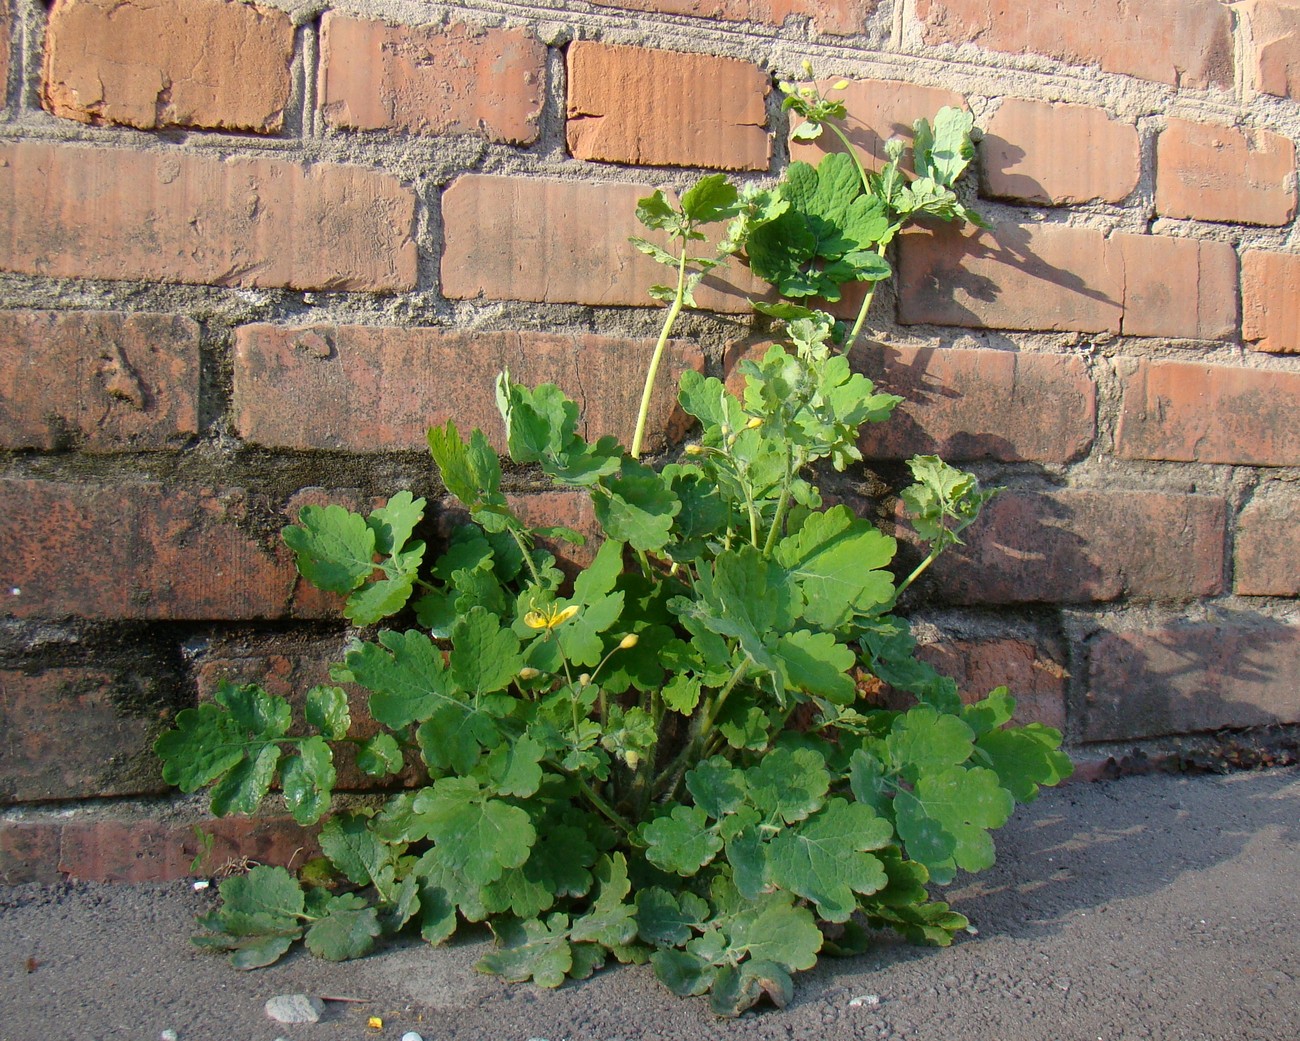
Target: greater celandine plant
(670, 757)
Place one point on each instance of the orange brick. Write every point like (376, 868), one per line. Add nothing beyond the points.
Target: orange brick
(135, 550)
(1223, 174)
(838, 17)
(29, 852)
(1181, 677)
(1018, 276)
(133, 851)
(1058, 154)
(1067, 547)
(1272, 32)
(78, 212)
(1270, 301)
(969, 404)
(650, 107)
(877, 111)
(155, 63)
(1193, 412)
(1186, 43)
(1267, 557)
(431, 79)
(372, 389)
(104, 381)
(561, 241)
(1178, 287)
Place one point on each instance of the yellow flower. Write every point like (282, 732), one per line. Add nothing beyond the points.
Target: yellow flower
(550, 616)
(375, 1023)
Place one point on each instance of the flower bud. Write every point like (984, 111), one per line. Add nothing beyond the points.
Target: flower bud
(694, 449)
(754, 423)
(628, 642)
(584, 679)
(528, 673)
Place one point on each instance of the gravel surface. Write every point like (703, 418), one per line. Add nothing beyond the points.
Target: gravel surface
(1161, 907)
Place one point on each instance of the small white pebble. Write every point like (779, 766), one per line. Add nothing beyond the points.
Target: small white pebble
(169, 1035)
(201, 885)
(411, 1035)
(865, 1001)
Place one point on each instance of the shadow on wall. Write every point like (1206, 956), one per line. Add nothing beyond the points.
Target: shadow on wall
(1234, 670)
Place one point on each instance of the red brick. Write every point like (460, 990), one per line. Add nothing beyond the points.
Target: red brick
(971, 404)
(1018, 276)
(1058, 154)
(77, 733)
(29, 852)
(78, 212)
(1224, 174)
(1193, 412)
(838, 17)
(160, 850)
(1033, 670)
(107, 381)
(450, 79)
(1178, 287)
(1270, 301)
(1187, 43)
(1267, 561)
(215, 64)
(372, 389)
(561, 241)
(1237, 670)
(1081, 545)
(650, 107)
(135, 550)
(1272, 31)
(877, 111)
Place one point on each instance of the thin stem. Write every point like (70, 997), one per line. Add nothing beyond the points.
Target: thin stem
(783, 503)
(653, 372)
(866, 306)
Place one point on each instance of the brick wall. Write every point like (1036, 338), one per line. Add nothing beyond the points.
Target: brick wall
(248, 251)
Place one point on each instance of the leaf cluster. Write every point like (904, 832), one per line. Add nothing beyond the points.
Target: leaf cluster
(669, 755)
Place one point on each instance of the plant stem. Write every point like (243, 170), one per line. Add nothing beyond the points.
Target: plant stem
(652, 373)
(783, 503)
(862, 311)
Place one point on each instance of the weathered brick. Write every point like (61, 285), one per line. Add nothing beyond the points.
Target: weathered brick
(1224, 174)
(155, 63)
(1270, 301)
(6, 40)
(1178, 287)
(371, 388)
(1018, 276)
(971, 404)
(451, 79)
(1267, 551)
(159, 851)
(77, 733)
(1272, 31)
(1068, 547)
(29, 852)
(1237, 670)
(78, 212)
(1033, 670)
(106, 381)
(560, 241)
(838, 17)
(134, 550)
(1193, 412)
(1058, 154)
(877, 111)
(649, 107)
(1187, 43)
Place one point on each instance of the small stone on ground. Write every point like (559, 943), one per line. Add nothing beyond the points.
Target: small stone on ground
(295, 1008)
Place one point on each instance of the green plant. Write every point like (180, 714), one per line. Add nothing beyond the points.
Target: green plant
(671, 756)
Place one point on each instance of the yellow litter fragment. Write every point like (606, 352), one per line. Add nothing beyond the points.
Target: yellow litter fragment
(375, 1023)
